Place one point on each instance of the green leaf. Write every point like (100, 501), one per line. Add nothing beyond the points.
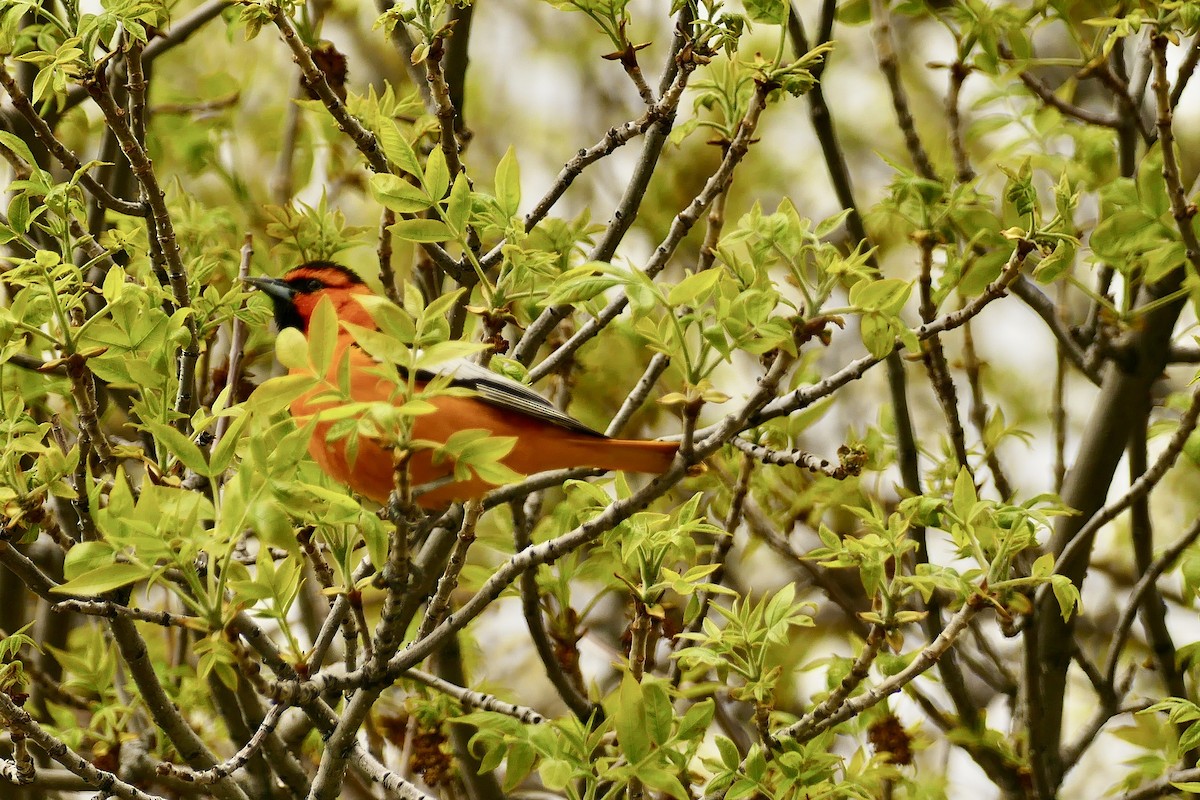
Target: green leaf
(437, 174)
(887, 294)
(555, 773)
(458, 207)
(103, 579)
(769, 12)
(279, 393)
(394, 192)
(291, 348)
(322, 336)
(508, 183)
(397, 149)
(661, 780)
(696, 720)
(965, 497)
(659, 713)
(630, 720)
(693, 287)
(877, 334)
(580, 289)
(1066, 593)
(1043, 567)
(1055, 264)
(18, 146)
(422, 230)
(223, 453)
(87, 556)
(180, 446)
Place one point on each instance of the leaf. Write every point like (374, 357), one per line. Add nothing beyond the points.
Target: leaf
(1066, 593)
(18, 146)
(555, 773)
(322, 336)
(397, 149)
(659, 713)
(508, 183)
(696, 720)
(887, 294)
(581, 289)
(180, 446)
(223, 453)
(394, 192)
(660, 780)
(437, 175)
(291, 349)
(630, 720)
(458, 207)
(877, 336)
(769, 12)
(422, 230)
(1043, 567)
(693, 287)
(103, 579)
(1056, 263)
(279, 393)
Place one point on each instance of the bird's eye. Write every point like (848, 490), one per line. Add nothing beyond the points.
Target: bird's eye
(312, 285)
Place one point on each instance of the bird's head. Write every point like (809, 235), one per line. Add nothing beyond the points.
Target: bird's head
(296, 294)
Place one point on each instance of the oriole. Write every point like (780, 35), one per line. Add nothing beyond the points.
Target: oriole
(546, 439)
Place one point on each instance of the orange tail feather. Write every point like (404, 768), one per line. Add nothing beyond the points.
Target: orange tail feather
(627, 455)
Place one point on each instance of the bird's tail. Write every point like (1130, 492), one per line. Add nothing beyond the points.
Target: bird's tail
(629, 455)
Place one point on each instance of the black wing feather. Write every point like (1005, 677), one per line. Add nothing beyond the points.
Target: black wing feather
(506, 393)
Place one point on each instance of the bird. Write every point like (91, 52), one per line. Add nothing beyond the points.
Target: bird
(545, 438)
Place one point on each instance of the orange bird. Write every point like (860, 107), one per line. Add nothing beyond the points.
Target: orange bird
(546, 438)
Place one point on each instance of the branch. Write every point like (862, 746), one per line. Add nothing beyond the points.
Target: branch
(1140, 591)
(806, 728)
(806, 395)
(163, 710)
(473, 699)
(568, 686)
(660, 118)
(850, 462)
(1162, 786)
(19, 721)
(1044, 307)
(111, 610)
(680, 226)
(235, 762)
(1138, 489)
(885, 53)
(60, 151)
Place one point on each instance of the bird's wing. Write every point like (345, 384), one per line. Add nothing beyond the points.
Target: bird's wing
(493, 388)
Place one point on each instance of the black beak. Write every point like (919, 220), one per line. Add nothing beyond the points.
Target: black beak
(282, 297)
(273, 288)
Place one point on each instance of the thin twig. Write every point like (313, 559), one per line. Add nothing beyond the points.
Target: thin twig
(234, 762)
(1139, 592)
(567, 682)
(851, 462)
(237, 344)
(889, 65)
(1140, 487)
(683, 222)
(17, 719)
(806, 395)
(440, 604)
(111, 610)
(805, 729)
(60, 151)
(472, 699)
